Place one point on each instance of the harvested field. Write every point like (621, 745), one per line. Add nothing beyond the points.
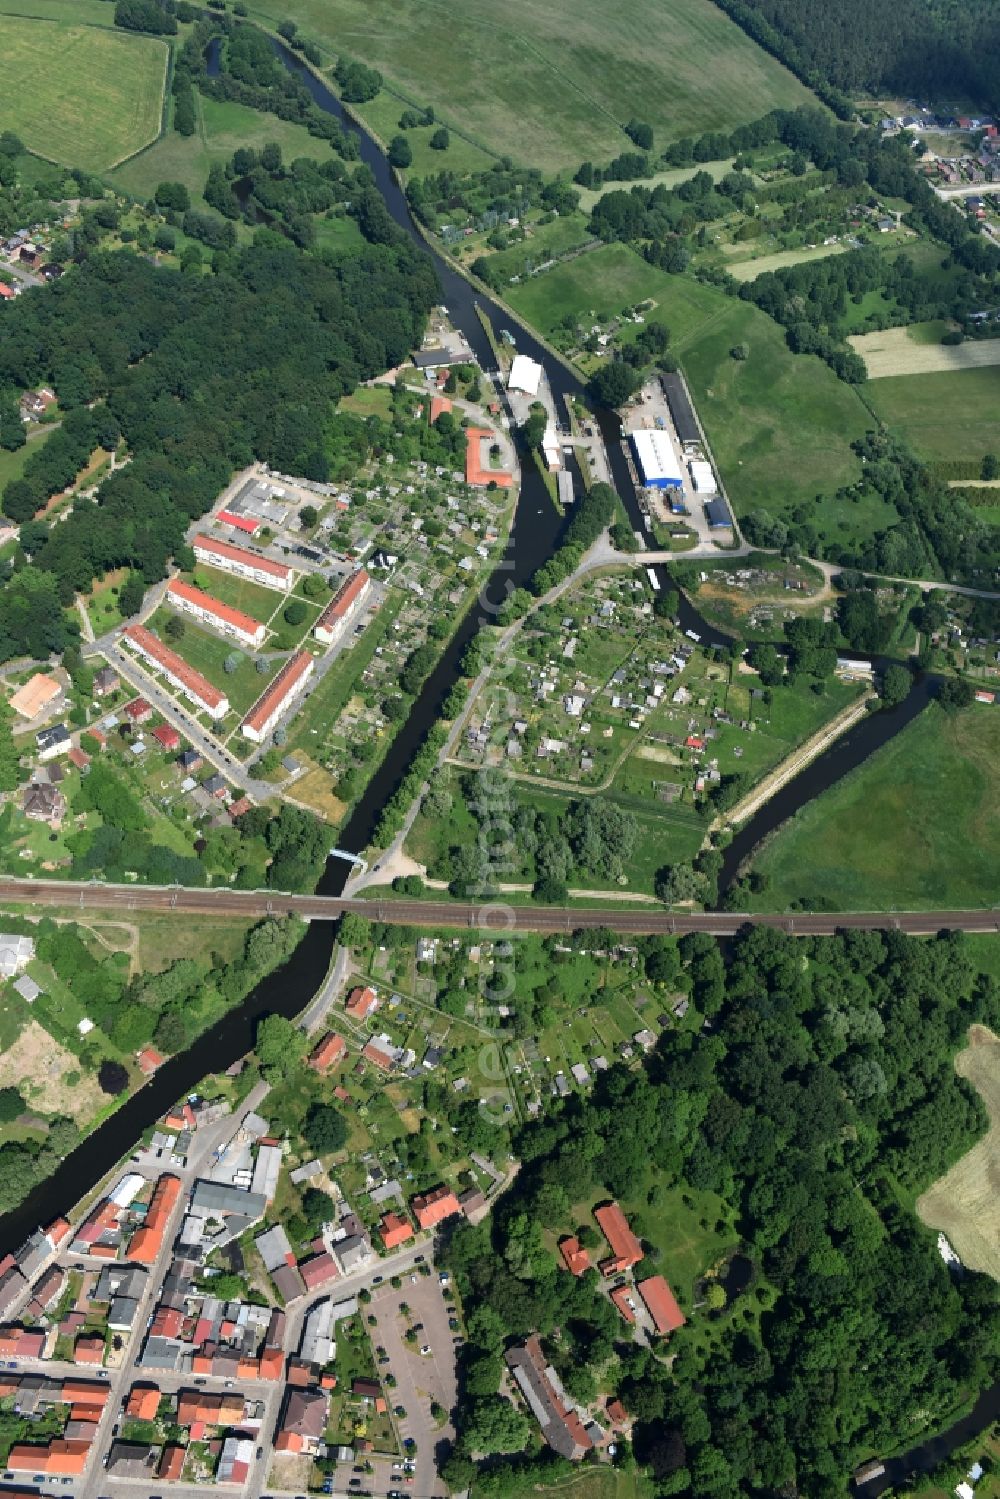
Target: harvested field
(965, 1202)
(894, 352)
(657, 752)
(40, 1067)
(80, 95)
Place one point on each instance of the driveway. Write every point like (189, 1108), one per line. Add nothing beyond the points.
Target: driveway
(420, 1378)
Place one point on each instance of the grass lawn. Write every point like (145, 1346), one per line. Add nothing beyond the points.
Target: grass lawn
(669, 177)
(381, 115)
(682, 1223)
(12, 463)
(552, 83)
(545, 242)
(780, 424)
(102, 601)
(207, 653)
(338, 233)
(81, 95)
(329, 697)
(368, 400)
(917, 826)
(748, 268)
(89, 12)
(603, 282)
(222, 127)
(942, 416)
(666, 837)
(239, 593)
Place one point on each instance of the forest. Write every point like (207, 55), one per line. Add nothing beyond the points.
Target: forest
(818, 1098)
(933, 49)
(201, 375)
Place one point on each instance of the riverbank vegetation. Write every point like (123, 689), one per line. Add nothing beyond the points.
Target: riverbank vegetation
(557, 104)
(916, 826)
(803, 1111)
(107, 1013)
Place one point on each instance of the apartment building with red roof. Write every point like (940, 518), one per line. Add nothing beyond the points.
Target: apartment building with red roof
(361, 1002)
(88, 1350)
(342, 608)
(248, 524)
(475, 472)
(575, 1257)
(198, 690)
(378, 1056)
(147, 1241)
(166, 735)
(171, 1463)
(58, 1457)
(143, 1402)
(241, 563)
(213, 612)
(277, 698)
(317, 1270)
(138, 711)
(394, 1230)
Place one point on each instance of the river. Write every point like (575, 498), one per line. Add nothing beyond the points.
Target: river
(533, 538)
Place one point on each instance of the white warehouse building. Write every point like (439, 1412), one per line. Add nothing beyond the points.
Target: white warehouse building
(525, 375)
(659, 466)
(702, 477)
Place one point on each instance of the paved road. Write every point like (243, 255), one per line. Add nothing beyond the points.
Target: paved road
(316, 1011)
(168, 706)
(495, 918)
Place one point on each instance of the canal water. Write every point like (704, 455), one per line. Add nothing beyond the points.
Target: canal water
(534, 537)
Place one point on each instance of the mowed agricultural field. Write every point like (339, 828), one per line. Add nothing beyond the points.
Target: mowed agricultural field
(550, 82)
(80, 95)
(895, 351)
(747, 268)
(780, 424)
(222, 128)
(914, 828)
(965, 1202)
(941, 416)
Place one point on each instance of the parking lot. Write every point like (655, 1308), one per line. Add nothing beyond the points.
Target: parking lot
(420, 1377)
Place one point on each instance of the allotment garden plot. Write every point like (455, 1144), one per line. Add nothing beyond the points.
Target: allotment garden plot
(601, 696)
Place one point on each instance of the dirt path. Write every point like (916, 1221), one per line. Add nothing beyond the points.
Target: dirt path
(514, 887)
(796, 761)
